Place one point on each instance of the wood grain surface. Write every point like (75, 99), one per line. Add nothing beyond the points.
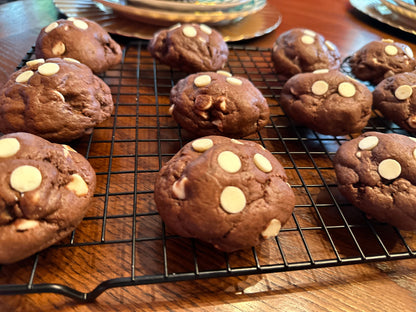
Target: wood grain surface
(101, 248)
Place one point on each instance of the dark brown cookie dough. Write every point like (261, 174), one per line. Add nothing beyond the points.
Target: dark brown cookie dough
(328, 102)
(230, 193)
(57, 99)
(376, 172)
(395, 98)
(190, 47)
(45, 190)
(302, 50)
(378, 60)
(216, 103)
(80, 39)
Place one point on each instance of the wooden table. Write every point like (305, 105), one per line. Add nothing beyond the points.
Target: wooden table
(379, 286)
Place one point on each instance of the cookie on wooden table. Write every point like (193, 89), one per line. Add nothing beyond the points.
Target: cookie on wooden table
(376, 172)
(378, 60)
(80, 39)
(301, 50)
(395, 98)
(58, 99)
(190, 47)
(230, 193)
(217, 103)
(327, 101)
(45, 190)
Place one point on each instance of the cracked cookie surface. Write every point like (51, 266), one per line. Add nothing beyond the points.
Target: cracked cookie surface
(217, 103)
(230, 193)
(376, 173)
(45, 190)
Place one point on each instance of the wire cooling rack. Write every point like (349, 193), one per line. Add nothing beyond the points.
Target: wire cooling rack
(123, 242)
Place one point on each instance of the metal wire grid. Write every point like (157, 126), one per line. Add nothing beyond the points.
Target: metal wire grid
(123, 225)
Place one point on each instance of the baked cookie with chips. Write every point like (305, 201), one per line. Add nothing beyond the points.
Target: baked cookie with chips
(327, 101)
(217, 103)
(378, 60)
(230, 193)
(301, 50)
(190, 47)
(58, 99)
(376, 172)
(395, 98)
(45, 191)
(80, 39)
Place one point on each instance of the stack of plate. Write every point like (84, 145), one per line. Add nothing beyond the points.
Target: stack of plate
(166, 12)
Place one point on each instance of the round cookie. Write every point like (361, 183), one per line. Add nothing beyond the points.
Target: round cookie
(378, 60)
(232, 194)
(302, 50)
(190, 47)
(58, 99)
(45, 190)
(376, 172)
(216, 103)
(395, 98)
(80, 39)
(328, 102)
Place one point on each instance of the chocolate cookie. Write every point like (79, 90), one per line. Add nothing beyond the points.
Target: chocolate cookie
(376, 172)
(328, 102)
(190, 47)
(80, 39)
(302, 50)
(378, 60)
(232, 194)
(45, 190)
(395, 98)
(218, 104)
(57, 99)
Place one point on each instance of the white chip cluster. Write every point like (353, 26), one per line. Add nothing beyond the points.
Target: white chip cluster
(320, 87)
(389, 168)
(391, 50)
(46, 69)
(232, 198)
(205, 79)
(191, 31)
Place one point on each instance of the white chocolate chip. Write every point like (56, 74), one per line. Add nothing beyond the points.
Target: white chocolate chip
(24, 77)
(391, 50)
(202, 81)
(48, 69)
(201, 145)
(408, 51)
(411, 121)
(77, 185)
(319, 87)
(51, 27)
(414, 153)
(346, 89)
(412, 138)
(309, 32)
(25, 178)
(35, 62)
(229, 161)
(70, 59)
(206, 29)
(171, 109)
(358, 154)
(58, 48)
(330, 45)
(202, 114)
(174, 27)
(321, 71)
(189, 31)
(178, 188)
(80, 24)
(9, 147)
(25, 224)
(59, 94)
(234, 81)
(262, 163)
(403, 92)
(387, 40)
(272, 229)
(389, 169)
(368, 143)
(232, 199)
(237, 141)
(307, 39)
(224, 73)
